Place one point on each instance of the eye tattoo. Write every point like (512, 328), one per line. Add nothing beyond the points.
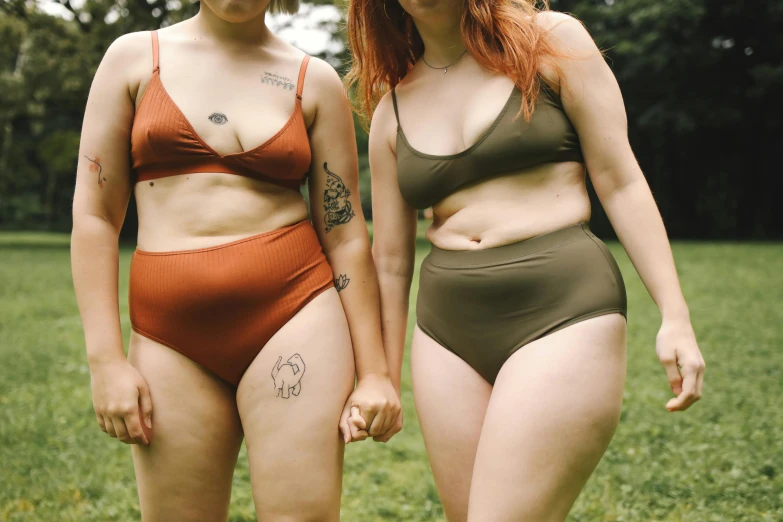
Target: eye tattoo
(336, 205)
(218, 118)
(341, 282)
(288, 376)
(96, 168)
(276, 80)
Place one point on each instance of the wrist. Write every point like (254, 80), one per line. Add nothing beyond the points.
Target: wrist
(375, 374)
(100, 359)
(675, 312)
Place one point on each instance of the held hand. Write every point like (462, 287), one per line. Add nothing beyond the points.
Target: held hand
(122, 402)
(395, 429)
(678, 352)
(372, 410)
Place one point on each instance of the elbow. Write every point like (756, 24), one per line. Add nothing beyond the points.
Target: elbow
(87, 224)
(611, 184)
(352, 245)
(391, 264)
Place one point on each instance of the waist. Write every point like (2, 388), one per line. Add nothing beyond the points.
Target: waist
(509, 252)
(203, 211)
(492, 219)
(299, 229)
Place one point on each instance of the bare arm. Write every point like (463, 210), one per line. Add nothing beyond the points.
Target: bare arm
(394, 226)
(339, 222)
(99, 206)
(592, 100)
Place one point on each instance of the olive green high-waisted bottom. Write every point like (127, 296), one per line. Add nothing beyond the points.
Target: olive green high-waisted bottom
(484, 305)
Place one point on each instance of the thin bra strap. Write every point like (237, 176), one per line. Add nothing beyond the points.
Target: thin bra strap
(300, 83)
(155, 66)
(396, 112)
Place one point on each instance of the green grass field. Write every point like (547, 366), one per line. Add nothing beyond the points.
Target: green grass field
(722, 461)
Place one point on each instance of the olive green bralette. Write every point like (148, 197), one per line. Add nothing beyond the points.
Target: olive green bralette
(509, 145)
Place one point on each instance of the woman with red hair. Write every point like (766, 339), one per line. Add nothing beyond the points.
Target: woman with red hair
(491, 113)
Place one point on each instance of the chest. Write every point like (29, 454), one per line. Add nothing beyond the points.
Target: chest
(232, 105)
(452, 117)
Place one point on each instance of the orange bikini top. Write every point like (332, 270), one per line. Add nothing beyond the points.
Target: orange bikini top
(164, 143)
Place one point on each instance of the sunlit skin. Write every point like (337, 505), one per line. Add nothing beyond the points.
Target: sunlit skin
(523, 449)
(186, 424)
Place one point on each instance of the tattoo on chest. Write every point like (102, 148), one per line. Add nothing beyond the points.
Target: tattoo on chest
(288, 376)
(97, 169)
(341, 282)
(218, 118)
(336, 205)
(276, 80)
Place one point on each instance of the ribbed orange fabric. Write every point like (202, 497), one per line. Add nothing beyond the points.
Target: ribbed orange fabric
(164, 143)
(219, 306)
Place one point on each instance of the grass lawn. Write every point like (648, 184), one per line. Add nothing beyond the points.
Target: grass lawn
(722, 461)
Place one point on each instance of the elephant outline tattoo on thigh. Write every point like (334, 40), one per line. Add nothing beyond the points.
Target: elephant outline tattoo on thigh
(287, 377)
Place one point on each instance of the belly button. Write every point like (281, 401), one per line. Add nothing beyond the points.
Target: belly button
(475, 239)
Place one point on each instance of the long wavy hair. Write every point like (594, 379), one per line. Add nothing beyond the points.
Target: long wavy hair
(501, 35)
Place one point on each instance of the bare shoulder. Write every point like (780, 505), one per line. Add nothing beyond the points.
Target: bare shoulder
(323, 80)
(566, 32)
(128, 61)
(383, 128)
(129, 49)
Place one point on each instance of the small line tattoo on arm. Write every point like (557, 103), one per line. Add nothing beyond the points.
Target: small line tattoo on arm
(97, 169)
(341, 282)
(287, 377)
(336, 205)
(276, 80)
(218, 118)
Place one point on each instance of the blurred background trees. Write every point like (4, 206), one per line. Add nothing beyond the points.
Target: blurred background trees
(702, 82)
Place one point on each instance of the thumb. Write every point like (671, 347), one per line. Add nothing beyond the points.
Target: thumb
(145, 403)
(344, 428)
(669, 363)
(357, 419)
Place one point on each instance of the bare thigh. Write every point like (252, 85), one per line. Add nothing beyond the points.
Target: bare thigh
(554, 409)
(451, 401)
(185, 473)
(291, 419)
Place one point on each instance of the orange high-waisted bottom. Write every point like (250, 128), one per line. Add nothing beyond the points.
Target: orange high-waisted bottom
(219, 306)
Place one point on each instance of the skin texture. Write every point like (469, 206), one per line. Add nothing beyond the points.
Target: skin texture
(501, 453)
(162, 401)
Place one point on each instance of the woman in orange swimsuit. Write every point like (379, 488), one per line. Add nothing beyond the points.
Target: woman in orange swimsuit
(238, 327)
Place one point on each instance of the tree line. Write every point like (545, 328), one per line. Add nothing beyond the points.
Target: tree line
(702, 83)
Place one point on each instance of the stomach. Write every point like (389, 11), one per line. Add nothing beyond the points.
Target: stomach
(511, 208)
(202, 210)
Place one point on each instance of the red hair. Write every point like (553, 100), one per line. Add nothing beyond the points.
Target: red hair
(501, 35)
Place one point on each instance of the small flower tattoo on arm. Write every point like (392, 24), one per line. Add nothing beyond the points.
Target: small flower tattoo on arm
(341, 282)
(97, 169)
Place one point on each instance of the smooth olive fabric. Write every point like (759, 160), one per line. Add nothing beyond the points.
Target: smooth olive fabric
(484, 305)
(509, 145)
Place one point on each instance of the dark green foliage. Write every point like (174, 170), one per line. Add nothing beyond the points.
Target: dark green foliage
(702, 82)
(703, 86)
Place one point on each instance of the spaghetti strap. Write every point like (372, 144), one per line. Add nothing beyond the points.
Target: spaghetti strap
(300, 83)
(155, 66)
(394, 102)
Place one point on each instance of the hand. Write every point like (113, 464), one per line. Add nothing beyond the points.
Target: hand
(372, 410)
(678, 352)
(122, 402)
(395, 429)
